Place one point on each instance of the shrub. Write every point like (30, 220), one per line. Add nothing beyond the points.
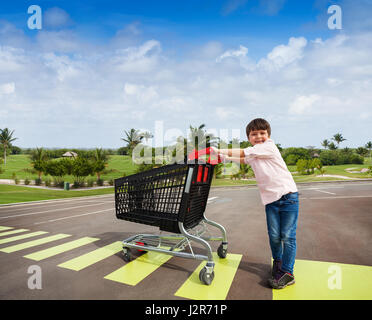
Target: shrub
(99, 182)
(81, 168)
(357, 159)
(328, 157)
(38, 181)
(339, 157)
(57, 170)
(79, 183)
(47, 182)
(294, 154)
(369, 172)
(362, 151)
(90, 182)
(111, 182)
(27, 181)
(67, 163)
(292, 159)
(302, 166)
(306, 166)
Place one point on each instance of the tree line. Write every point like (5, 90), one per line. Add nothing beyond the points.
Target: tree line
(94, 162)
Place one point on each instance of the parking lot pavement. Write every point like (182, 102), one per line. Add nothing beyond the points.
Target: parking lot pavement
(76, 243)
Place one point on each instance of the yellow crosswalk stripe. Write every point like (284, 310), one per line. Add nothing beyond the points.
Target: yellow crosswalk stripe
(224, 273)
(136, 270)
(6, 233)
(34, 243)
(5, 228)
(24, 236)
(92, 257)
(319, 280)
(50, 252)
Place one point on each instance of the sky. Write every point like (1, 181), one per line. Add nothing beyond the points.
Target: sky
(96, 69)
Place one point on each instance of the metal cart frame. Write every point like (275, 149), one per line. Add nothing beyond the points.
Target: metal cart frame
(168, 204)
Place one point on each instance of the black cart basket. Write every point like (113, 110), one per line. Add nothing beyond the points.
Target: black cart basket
(172, 198)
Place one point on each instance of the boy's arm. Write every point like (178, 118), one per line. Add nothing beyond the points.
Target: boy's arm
(234, 153)
(263, 150)
(235, 159)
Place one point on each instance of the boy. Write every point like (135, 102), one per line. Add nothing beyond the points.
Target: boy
(278, 193)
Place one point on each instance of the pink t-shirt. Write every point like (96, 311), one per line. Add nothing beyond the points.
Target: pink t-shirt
(273, 178)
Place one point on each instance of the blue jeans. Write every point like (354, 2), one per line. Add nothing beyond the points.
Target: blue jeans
(281, 218)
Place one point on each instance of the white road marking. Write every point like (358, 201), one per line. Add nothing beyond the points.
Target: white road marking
(325, 191)
(51, 205)
(30, 203)
(75, 216)
(211, 198)
(338, 197)
(32, 213)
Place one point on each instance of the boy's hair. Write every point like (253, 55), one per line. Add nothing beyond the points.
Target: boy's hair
(258, 124)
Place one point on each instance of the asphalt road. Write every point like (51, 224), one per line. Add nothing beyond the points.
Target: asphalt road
(335, 225)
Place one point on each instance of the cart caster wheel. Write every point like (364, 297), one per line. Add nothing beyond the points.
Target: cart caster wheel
(206, 277)
(127, 254)
(141, 244)
(222, 253)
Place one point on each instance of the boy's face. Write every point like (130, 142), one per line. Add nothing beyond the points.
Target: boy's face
(258, 136)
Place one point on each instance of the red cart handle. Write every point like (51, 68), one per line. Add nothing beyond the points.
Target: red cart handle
(207, 151)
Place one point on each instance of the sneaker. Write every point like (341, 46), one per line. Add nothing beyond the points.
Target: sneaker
(281, 280)
(277, 264)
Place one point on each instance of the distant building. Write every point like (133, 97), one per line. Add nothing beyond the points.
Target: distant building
(70, 154)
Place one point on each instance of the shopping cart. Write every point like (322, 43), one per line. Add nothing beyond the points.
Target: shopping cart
(173, 198)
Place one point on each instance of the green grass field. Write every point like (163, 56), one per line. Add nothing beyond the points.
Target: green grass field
(20, 165)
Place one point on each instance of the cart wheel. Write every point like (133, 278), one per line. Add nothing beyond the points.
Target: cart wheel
(141, 244)
(206, 277)
(221, 252)
(127, 254)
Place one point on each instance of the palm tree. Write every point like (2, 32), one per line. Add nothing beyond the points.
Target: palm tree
(325, 144)
(133, 137)
(369, 147)
(199, 137)
(332, 146)
(100, 162)
(338, 138)
(147, 135)
(38, 158)
(6, 137)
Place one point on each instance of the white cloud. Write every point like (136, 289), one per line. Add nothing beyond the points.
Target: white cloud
(303, 104)
(58, 41)
(284, 55)
(224, 113)
(7, 88)
(141, 59)
(65, 91)
(139, 94)
(242, 52)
